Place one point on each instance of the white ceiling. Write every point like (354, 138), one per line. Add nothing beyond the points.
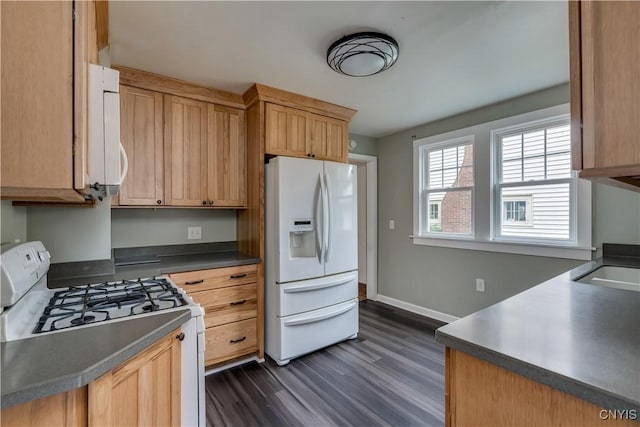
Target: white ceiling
(454, 56)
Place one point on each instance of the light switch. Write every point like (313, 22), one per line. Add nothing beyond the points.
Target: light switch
(392, 224)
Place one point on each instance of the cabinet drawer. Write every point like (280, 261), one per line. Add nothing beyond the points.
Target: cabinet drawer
(194, 281)
(227, 305)
(228, 341)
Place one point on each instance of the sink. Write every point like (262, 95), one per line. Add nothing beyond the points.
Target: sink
(614, 277)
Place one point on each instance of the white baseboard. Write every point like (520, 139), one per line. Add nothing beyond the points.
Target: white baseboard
(427, 312)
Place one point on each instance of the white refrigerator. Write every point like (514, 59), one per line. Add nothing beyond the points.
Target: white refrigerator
(311, 287)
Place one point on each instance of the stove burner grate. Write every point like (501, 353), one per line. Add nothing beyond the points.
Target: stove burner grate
(94, 303)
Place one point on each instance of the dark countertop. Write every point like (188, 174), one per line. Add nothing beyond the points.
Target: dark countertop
(53, 363)
(578, 338)
(161, 260)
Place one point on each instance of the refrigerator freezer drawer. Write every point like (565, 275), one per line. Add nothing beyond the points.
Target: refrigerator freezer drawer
(310, 331)
(306, 295)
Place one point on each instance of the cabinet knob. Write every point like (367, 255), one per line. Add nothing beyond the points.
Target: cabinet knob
(180, 336)
(159, 202)
(204, 203)
(210, 202)
(313, 155)
(308, 154)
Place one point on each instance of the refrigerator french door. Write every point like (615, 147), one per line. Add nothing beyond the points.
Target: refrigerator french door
(311, 256)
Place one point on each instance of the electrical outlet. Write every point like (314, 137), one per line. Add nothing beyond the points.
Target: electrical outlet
(392, 224)
(480, 285)
(194, 233)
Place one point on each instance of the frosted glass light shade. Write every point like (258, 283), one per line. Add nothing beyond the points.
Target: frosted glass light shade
(362, 54)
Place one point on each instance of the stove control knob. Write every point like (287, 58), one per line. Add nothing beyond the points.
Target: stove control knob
(180, 336)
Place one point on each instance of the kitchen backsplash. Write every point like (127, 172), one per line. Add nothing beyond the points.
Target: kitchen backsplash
(152, 227)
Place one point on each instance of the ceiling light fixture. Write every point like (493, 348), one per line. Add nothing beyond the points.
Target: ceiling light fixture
(362, 54)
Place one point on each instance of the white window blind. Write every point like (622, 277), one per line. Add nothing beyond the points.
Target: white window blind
(534, 187)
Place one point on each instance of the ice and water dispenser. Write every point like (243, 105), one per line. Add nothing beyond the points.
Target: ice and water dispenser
(302, 238)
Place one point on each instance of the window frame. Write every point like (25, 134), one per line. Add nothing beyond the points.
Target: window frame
(484, 199)
(528, 200)
(441, 145)
(496, 185)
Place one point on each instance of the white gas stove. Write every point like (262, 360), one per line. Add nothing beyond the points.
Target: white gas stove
(29, 308)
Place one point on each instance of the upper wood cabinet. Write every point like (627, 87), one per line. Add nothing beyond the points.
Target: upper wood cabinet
(141, 132)
(187, 151)
(286, 131)
(45, 55)
(227, 157)
(297, 133)
(605, 90)
(185, 138)
(328, 138)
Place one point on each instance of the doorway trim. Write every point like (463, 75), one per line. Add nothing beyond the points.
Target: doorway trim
(371, 165)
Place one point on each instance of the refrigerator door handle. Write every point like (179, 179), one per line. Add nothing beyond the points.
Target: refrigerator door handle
(303, 320)
(327, 223)
(318, 213)
(313, 287)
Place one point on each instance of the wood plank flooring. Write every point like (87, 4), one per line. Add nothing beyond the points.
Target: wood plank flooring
(391, 375)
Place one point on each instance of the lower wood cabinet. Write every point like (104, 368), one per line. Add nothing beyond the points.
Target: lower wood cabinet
(478, 393)
(229, 297)
(67, 409)
(143, 391)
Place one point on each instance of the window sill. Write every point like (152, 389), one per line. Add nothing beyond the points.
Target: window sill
(550, 251)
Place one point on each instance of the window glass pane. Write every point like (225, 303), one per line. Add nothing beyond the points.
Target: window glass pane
(536, 211)
(435, 160)
(435, 179)
(558, 139)
(450, 176)
(559, 165)
(450, 157)
(533, 168)
(512, 171)
(511, 147)
(455, 212)
(534, 143)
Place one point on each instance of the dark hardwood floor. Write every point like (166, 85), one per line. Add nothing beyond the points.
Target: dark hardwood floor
(391, 375)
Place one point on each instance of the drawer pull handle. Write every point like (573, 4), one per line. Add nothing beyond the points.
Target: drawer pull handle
(195, 282)
(238, 340)
(238, 302)
(238, 276)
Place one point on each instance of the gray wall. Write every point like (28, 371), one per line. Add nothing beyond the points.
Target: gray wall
(152, 227)
(13, 225)
(365, 145)
(443, 279)
(72, 234)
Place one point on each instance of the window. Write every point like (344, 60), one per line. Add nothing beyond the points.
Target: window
(447, 188)
(503, 186)
(434, 217)
(516, 210)
(534, 159)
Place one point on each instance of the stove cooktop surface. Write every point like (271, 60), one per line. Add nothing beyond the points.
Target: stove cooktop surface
(94, 303)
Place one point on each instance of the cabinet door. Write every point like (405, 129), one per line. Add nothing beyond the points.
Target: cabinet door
(143, 391)
(185, 138)
(141, 133)
(327, 138)
(227, 158)
(286, 131)
(37, 100)
(610, 88)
